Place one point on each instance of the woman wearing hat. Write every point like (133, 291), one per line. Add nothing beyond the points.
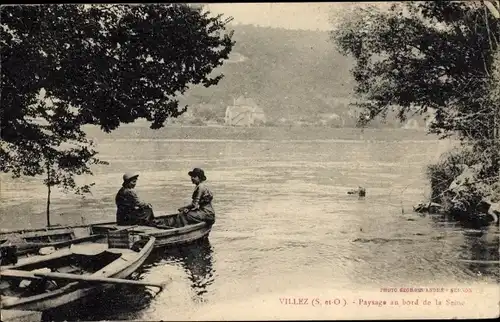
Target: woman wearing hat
(131, 210)
(200, 209)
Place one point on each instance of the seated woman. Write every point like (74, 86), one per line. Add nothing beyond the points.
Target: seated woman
(200, 209)
(130, 209)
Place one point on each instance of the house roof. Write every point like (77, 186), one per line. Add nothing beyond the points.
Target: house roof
(245, 101)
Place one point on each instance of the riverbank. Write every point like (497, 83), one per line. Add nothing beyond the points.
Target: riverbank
(143, 132)
(465, 187)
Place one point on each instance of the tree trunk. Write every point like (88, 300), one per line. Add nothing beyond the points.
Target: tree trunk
(495, 99)
(48, 206)
(495, 144)
(48, 196)
(496, 137)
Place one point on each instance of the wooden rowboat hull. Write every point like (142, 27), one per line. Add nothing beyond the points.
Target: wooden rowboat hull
(164, 237)
(44, 237)
(184, 236)
(76, 292)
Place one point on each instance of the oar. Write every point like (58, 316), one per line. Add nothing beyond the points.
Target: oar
(94, 279)
(124, 228)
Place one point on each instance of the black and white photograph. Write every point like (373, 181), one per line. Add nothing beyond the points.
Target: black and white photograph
(249, 161)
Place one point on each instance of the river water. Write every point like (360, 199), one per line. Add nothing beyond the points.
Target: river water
(285, 222)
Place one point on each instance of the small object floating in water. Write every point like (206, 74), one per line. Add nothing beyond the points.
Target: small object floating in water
(360, 192)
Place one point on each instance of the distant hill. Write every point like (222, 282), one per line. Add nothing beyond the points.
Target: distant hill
(287, 72)
(291, 74)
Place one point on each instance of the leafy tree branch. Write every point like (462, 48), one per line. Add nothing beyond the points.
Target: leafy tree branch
(67, 66)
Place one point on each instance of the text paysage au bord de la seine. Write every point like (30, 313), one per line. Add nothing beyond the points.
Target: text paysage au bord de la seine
(364, 302)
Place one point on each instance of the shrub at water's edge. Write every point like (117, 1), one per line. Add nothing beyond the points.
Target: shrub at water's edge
(442, 173)
(461, 183)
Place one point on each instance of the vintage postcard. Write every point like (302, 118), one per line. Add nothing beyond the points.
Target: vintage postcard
(250, 161)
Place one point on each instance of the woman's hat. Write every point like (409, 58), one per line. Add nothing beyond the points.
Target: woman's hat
(197, 172)
(129, 176)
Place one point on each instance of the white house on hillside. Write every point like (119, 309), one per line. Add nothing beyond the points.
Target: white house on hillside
(244, 112)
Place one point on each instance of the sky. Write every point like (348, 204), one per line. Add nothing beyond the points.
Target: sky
(292, 15)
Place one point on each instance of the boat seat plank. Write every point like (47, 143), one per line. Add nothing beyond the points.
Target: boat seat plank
(89, 249)
(123, 251)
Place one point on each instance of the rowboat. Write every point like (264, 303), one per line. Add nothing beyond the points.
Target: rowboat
(30, 240)
(165, 235)
(44, 282)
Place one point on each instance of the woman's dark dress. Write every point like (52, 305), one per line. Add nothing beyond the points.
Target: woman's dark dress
(200, 209)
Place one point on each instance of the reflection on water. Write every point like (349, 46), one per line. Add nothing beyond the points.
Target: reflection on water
(111, 303)
(482, 253)
(479, 251)
(197, 261)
